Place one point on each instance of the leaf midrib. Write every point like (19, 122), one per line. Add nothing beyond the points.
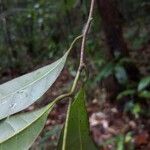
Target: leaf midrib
(80, 138)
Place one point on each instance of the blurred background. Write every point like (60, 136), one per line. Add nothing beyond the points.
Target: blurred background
(34, 33)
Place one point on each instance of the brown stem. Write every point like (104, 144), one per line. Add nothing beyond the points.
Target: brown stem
(81, 64)
(85, 32)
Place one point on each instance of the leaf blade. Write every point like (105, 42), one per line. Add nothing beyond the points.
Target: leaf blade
(144, 94)
(77, 132)
(129, 92)
(24, 132)
(145, 82)
(15, 94)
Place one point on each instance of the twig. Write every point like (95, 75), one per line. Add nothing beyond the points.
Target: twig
(85, 32)
(81, 64)
(74, 41)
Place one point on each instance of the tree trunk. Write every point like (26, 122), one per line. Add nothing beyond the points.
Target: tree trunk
(112, 24)
(117, 48)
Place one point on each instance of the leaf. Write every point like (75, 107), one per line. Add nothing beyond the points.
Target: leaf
(120, 142)
(75, 134)
(121, 74)
(105, 72)
(129, 106)
(129, 92)
(145, 94)
(125, 60)
(19, 93)
(144, 83)
(53, 132)
(20, 131)
(136, 110)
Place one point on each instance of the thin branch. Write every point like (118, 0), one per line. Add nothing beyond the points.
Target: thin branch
(74, 41)
(85, 32)
(81, 64)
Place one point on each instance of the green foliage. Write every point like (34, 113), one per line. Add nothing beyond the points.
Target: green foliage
(131, 12)
(141, 92)
(33, 31)
(133, 108)
(22, 130)
(128, 92)
(138, 35)
(121, 141)
(115, 68)
(17, 95)
(136, 110)
(133, 91)
(137, 22)
(75, 134)
(143, 88)
(28, 34)
(144, 83)
(21, 92)
(121, 74)
(105, 72)
(45, 142)
(144, 94)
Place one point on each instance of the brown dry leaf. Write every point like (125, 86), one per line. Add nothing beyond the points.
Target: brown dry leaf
(142, 138)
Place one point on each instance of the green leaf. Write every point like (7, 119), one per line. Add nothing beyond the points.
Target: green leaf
(19, 93)
(75, 134)
(125, 60)
(144, 83)
(105, 72)
(120, 142)
(20, 131)
(136, 110)
(121, 74)
(53, 132)
(129, 92)
(144, 94)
